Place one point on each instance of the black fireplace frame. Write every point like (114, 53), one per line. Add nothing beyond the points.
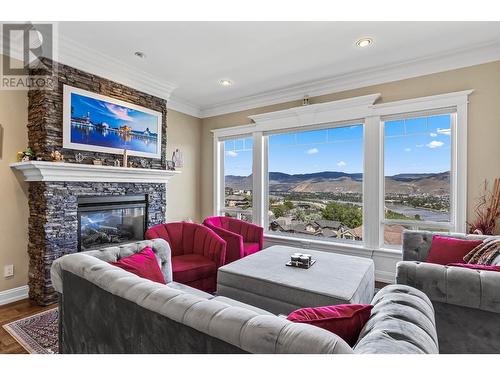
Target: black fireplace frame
(110, 202)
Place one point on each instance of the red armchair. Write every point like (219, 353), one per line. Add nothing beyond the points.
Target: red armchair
(242, 238)
(197, 253)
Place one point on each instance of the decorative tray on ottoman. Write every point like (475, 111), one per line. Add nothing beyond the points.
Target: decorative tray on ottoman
(299, 260)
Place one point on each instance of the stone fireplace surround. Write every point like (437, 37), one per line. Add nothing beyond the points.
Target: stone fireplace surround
(53, 223)
(53, 220)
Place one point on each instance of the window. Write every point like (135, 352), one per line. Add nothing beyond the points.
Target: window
(347, 175)
(315, 183)
(238, 179)
(417, 171)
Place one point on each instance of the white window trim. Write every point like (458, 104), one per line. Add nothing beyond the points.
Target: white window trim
(348, 110)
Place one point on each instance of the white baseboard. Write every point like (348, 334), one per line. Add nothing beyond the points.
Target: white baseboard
(13, 295)
(385, 276)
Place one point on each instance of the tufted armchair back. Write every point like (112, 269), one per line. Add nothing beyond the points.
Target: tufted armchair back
(246, 230)
(235, 232)
(190, 238)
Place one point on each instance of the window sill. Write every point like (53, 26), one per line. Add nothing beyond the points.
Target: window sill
(337, 247)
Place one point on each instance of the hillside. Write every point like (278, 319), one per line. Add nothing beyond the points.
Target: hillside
(340, 182)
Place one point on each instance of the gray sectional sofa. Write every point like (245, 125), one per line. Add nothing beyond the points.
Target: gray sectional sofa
(104, 309)
(466, 301)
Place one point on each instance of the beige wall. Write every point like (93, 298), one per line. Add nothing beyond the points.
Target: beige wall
(13, 192)
(183, 193)
(484, 120)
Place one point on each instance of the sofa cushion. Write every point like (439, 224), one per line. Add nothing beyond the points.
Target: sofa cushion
(143, 264)
(446, 250)
(345, 321)
(250, 247)
(233, 302)
(187, 289)
(192, 267)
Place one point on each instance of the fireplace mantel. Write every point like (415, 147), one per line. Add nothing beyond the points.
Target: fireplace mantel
(72, 172)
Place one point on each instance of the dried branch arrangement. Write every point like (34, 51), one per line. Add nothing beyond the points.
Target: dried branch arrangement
(487, 210)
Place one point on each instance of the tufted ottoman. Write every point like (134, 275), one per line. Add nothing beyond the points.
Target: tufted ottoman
(263, 280)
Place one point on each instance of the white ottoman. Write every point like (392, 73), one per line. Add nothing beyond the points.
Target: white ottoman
(263, 280)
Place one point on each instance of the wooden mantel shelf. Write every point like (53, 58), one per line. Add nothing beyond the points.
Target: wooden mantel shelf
(72, 172)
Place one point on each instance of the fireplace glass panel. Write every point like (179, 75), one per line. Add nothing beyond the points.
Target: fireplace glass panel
(111, 226)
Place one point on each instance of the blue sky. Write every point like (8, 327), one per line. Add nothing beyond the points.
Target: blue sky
(419, 145)
(112, 114)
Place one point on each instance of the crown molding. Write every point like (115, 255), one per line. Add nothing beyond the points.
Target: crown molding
(92, 61)
(484, 53)
(183, 106)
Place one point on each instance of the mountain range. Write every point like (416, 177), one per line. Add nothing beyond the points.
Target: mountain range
(341, 182)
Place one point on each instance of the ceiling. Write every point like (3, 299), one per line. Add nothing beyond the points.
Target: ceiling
(269, 61)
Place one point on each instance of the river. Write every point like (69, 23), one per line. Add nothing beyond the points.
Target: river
(425, 214)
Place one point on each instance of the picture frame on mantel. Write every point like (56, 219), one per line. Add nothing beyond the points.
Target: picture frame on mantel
(98, 123)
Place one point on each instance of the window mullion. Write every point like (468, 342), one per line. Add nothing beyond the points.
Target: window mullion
(258, 179)
(459, 169)
(372, 182)
(218, 187)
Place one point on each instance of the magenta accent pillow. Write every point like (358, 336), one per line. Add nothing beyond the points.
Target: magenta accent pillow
(445, 250)
(346, 321)
(480, 267)
(143, 264)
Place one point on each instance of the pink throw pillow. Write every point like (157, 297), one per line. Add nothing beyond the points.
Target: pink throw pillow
(479, 267)
(346, 321)
(445, 250)
(143, 264)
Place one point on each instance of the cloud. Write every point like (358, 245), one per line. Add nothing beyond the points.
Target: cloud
(312, 151)
(233, 154)
(433, 135)
(120, 113)
(444, 131)
(435, 144)
(407, 149)
(341, 164)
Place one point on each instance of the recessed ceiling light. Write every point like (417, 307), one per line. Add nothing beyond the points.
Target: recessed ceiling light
(365, 42)
(140, 54)
(225, 82)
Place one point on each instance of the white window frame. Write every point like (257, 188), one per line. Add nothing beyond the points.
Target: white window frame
(417, 224)
(360, 110)
(265, 220)
(219, 181)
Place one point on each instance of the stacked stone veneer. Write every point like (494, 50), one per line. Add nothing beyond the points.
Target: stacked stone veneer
(53, 220)
(45, 113)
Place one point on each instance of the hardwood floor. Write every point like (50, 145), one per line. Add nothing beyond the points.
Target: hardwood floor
(14, 311)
